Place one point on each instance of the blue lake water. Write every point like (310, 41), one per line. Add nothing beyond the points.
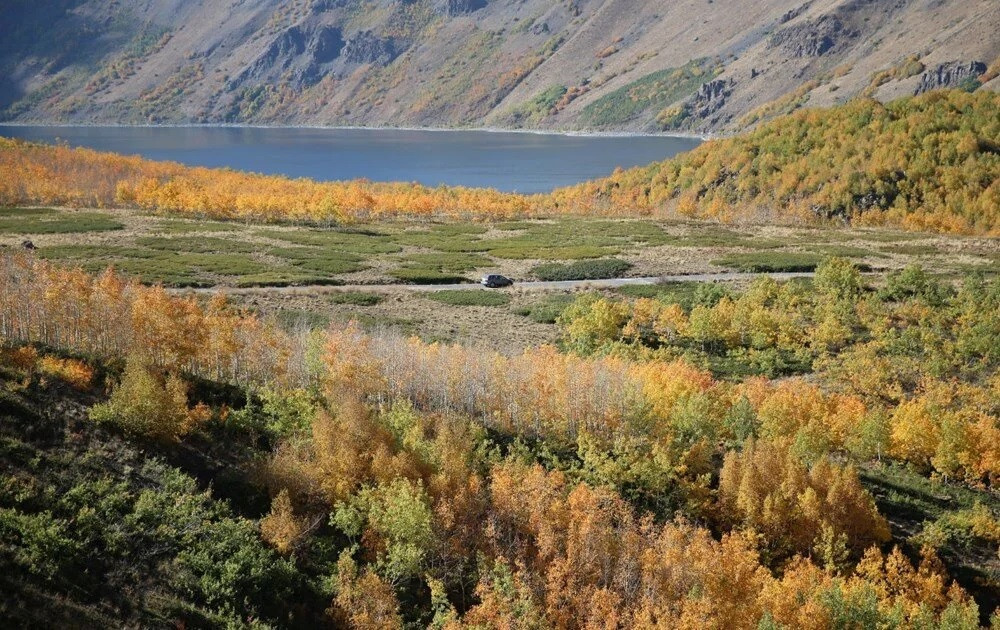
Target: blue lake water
(522, 162)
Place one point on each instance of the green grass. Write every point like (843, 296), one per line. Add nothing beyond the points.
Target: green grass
(301, 319)
(32, 221)
(443, 242)
(770, 262)
(455, 229)
(912, 250)
(181, 226)
(95, 252)
(582, 270)
(544, 252)
(448, 261)
(889, 236)
(283, 278)
(470, 297)
(364, 242)
(355, 298)
(846, 251)
(197, 244)
(652, 92)
(546, 310)
(423, 275)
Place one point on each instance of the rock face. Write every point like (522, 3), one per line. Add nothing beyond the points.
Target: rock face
(711, 97)
(951, 74)
(814, 38)
(304, 56)
(460, 7)
(326, 44)
(366, 47)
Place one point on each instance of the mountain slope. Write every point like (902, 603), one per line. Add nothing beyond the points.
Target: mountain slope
(574, 64)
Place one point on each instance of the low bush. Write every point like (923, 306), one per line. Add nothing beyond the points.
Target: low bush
(770, 262)
(546, 310)
(48, 221)
(423, 275)
(582, 270)
(355, 298)
(449, 261)
(685, 294)
(470, 297)
(546, 252)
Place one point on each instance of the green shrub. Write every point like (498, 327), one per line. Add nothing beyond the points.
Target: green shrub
(197, 244)
(911, 282)
(444, 242)
(422, 275)
(652, 92)
(355, 298)
(48, 221)
(449, 261)
(545, 252)
(546, 310)
(470, 297)
(582, 270)
(770, 262)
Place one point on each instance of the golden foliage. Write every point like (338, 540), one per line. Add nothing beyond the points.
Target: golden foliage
(111, 316)
(73, 371)
(766, 489)
(281, 527)
(924, 163)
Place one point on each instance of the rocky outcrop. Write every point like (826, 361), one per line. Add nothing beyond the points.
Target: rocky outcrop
(296, 54)
(951, 74)
(460, 7)
(367, 47)
(814, 38)
(710, 97)
(326, 44)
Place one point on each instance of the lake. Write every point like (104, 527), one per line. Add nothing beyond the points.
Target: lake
(521, 162)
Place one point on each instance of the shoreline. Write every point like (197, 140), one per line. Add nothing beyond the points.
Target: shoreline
(541, 132)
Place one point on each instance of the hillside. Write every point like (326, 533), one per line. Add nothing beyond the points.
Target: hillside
(930, 162)
(646, 65)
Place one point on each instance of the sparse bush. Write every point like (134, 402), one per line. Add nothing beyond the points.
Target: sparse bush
(770, 262)
(355, 298)
(582, 270)
(421, 275)
(546, 310)
(470, 297)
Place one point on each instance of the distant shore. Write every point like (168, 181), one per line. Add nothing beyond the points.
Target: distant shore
(541, 132)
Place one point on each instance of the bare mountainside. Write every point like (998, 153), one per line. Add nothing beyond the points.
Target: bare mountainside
(637, 65)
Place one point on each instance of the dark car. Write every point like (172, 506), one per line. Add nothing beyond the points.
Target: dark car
(495, 280)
